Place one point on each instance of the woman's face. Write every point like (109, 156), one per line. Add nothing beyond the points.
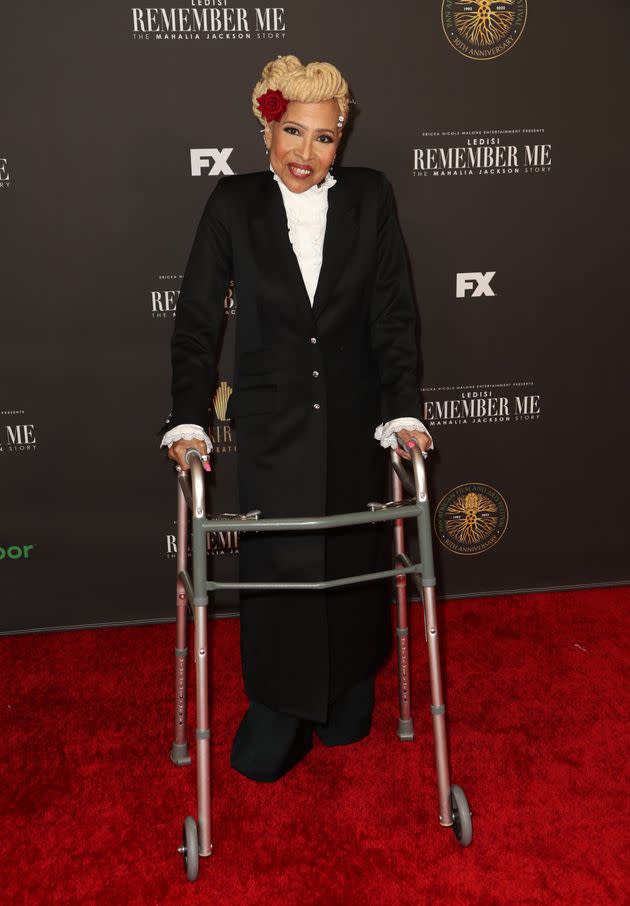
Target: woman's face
(303, 143)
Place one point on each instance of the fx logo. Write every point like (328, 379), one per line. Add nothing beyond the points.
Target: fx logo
(200, 160)
(480, 282)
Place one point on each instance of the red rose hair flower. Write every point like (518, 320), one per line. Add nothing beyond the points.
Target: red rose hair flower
(272, 104)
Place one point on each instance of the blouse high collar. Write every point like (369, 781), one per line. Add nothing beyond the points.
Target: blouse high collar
(309, 205)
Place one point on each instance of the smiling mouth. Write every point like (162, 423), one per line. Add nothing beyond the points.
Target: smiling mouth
(300, 172)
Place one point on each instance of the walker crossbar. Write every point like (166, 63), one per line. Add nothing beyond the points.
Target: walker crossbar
(453, 806)
(308, 523)
(293, 586)
(305, 586)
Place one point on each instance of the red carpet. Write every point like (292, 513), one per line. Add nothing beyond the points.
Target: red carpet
(93, 808)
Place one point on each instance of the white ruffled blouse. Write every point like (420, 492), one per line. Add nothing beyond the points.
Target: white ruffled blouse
(306, 221)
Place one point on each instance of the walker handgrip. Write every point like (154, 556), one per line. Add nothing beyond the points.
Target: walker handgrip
(183, 479)
(193, 458)
(193, 450)
(419, 470)
(404, 476)
(184, 484)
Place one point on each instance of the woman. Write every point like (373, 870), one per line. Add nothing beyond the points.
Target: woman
(325, 350)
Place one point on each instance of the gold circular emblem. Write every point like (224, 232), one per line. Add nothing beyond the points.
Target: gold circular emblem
(471, 518)
(483, 29)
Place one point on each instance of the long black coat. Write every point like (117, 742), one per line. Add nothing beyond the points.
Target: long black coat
(310, 386)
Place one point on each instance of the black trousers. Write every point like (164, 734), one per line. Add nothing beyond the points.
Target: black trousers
(269, 743)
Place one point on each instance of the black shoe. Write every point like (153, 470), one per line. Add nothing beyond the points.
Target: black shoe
(269, 743)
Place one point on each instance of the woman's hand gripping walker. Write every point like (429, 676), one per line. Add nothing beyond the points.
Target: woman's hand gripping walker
(409, 439)
(179, 451)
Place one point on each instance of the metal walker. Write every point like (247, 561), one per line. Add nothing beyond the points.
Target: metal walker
(453, 806)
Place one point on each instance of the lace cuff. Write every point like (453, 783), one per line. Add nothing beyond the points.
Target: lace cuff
(186, 432)
(386, 433)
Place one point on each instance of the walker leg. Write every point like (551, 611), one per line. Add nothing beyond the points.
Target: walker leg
(203, 731)
(405, 721)
(179, 749)
(438, 708)
(200, 601)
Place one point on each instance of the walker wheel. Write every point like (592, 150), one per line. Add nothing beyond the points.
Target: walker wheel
(462, 816)
(190, 849)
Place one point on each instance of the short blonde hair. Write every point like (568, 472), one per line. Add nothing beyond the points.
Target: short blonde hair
(312, 83)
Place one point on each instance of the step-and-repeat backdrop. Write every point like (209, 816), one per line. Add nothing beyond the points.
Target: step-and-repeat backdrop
(500, 126)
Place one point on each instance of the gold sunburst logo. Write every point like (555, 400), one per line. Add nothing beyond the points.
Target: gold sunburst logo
(220, 399)
(483, 29)
(471, 518)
